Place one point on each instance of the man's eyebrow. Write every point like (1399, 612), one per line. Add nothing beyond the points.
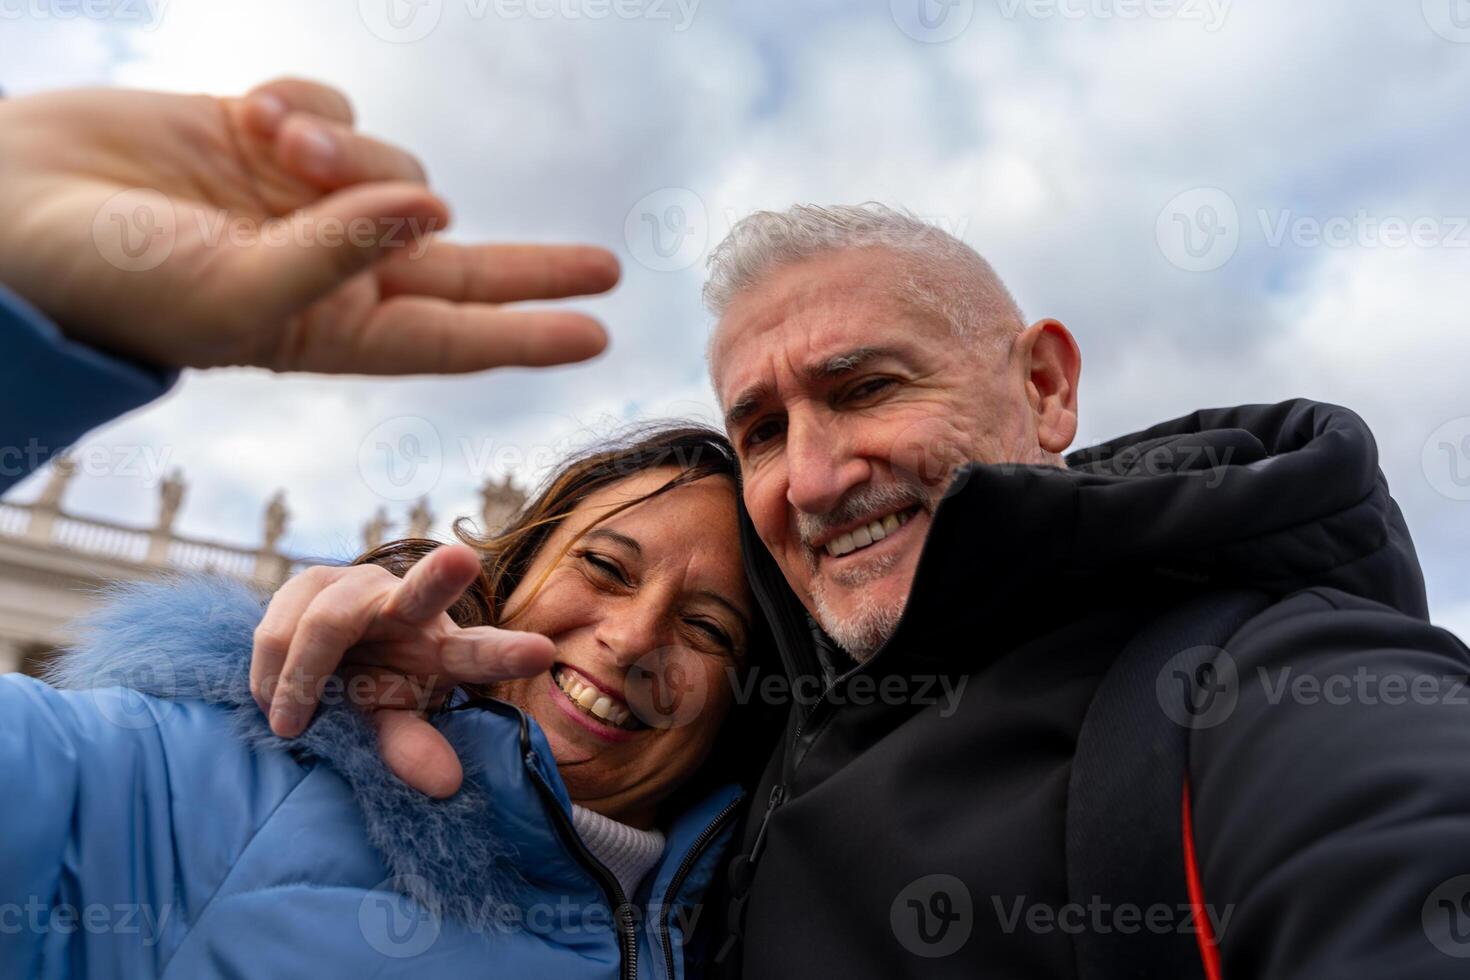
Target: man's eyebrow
(840, 364)
(615, 536)
(745, 405)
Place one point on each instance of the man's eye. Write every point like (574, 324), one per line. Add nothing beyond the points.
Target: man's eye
(869, 388)
(762, 432)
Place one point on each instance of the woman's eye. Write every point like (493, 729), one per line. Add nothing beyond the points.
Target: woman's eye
(606, 568)
(714, 632)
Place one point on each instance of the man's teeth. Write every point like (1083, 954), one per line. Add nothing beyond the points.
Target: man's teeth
(593, 701)
(862, 537)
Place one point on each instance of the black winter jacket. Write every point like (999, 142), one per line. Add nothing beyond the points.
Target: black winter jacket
(916, 832)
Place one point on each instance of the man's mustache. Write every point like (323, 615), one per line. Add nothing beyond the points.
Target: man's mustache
(864, 501)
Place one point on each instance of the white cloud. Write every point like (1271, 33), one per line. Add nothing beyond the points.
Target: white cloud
(1050, 143)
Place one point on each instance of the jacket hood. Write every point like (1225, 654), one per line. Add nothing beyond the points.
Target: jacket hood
(1272, 497)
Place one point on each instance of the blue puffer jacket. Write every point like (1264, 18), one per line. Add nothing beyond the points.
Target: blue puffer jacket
(152, 826)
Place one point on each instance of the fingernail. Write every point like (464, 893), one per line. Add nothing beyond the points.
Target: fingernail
(269, 110)
(318, 152)
(282, 723)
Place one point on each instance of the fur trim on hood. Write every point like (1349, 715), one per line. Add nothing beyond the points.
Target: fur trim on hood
(191, 638)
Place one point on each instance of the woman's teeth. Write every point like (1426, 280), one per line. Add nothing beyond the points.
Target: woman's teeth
(593, 701)
(874, 531)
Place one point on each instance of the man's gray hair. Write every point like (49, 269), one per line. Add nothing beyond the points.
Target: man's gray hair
(943, 274)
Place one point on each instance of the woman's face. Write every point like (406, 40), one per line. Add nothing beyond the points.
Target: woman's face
(650, 614)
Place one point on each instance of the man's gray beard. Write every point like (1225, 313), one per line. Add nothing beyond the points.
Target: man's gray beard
(864, 630)
(869, 626)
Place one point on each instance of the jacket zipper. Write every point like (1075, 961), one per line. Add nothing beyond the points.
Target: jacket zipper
(627, 932)
(700, 843)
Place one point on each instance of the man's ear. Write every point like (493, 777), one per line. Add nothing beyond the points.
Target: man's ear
(1053, 363)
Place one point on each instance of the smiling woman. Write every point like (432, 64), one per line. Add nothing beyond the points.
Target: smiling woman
(604, 754)
(628, 562)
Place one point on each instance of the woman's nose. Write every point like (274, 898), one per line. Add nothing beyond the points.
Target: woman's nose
(631, 631)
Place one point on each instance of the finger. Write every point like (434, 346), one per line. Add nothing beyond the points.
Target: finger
(418, 753)
(268, 105)
(332, 155)
(334, 621)
(500, 273)
(306, 255)
(272, 639)
(486, 654)
(431, 336)
(433, 584)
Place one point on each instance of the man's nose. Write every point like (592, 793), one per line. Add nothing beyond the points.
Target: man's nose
(821, 468)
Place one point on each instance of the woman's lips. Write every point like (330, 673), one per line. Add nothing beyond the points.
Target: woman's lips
(604, 731)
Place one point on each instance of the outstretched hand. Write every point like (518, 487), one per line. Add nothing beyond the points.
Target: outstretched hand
(265, 230)
(402, 651)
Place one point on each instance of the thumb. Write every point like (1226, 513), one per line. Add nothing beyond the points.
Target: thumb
(303, 256)
(418, 753)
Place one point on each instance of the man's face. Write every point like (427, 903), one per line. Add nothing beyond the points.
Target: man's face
(850, 407)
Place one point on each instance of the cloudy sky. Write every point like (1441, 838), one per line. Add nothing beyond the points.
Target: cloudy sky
(1226, 200)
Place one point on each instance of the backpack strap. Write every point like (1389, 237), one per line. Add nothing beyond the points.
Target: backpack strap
(1127, 813)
